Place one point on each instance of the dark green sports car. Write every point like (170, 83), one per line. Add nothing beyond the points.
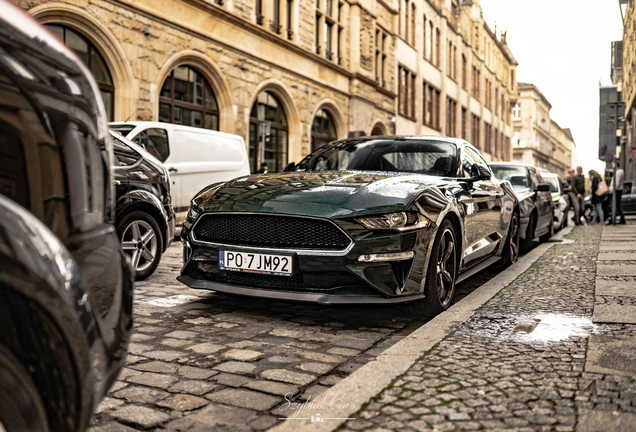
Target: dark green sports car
(361, 220)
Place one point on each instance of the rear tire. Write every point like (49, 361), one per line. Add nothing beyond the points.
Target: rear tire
(21, 407)
(441, 276)
(526, 243)
(510, 253)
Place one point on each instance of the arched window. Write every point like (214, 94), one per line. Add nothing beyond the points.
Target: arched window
(268, 133)
(187, 98)
(323, 130)
(377, 130)
(90, 55)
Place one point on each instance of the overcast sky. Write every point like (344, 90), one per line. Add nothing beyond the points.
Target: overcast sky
(564, 48)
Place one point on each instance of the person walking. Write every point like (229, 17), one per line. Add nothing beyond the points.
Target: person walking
(616, 187)
(577, 194)
(597, 198)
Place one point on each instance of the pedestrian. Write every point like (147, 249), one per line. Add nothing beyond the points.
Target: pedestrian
(616, 187)
(263, 169)
(597, 185)
(577, 194)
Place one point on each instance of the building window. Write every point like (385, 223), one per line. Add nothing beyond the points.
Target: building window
(507, 150)
(429, 42)
(464, 121)
(328, 20)
(438, 42)
(187, 98)
(424, 37)
(496, 147)
(260, 18)
(487, 90)
(451, 117)
(516, 139)
(454, 62)
(476, 82)
(475, 131)
(274, 16)
(406, 92)
(323, 130)
(380, 57)
(268, 133)
(290, 14)
(92, 58)
(464, 71)
(431, 106)
(516, 112)
(413, 28)
(496, 111)
(487, 138)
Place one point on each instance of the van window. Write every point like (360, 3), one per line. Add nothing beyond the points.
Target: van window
(124, 154)
(122, 129)
(155, 142)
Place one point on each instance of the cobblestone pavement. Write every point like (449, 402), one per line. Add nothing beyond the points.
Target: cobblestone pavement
(519, 364)
(203, 361)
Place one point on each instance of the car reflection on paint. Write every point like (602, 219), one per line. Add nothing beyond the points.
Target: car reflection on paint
(362, 220)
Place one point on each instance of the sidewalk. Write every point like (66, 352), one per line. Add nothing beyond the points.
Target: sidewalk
(549, 346)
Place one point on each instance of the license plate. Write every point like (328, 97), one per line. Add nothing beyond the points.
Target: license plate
(267, 264)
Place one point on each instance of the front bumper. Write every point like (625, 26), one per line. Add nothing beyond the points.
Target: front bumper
(318, 277)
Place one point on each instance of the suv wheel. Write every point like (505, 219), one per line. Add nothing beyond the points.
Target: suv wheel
(141, 240)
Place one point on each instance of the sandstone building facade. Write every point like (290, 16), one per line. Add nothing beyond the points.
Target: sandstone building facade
(537, 139)
(291, 75)
(626, 82)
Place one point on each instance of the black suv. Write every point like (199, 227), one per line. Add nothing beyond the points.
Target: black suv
(144, 216)
(65, 285)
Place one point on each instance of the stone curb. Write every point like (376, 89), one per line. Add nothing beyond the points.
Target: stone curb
(347, 397)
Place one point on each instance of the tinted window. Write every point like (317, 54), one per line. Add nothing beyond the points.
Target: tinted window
(416, 156)
(124, 154)
(627, 188)
(469, 164)
(553, 182)
(517, 176)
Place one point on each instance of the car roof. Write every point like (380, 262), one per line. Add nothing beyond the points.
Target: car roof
(456, 141)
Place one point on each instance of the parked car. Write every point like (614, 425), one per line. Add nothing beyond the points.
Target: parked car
(535, 201)
(195, 157)
(559, 199)
(362, 220)
(144, 216)
(65, 284)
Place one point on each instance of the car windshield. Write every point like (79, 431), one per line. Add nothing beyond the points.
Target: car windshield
(553, 182)
(430, 157)
(517, 176)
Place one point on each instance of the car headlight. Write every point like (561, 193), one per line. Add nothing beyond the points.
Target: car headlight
(400, 221)
(193, 213)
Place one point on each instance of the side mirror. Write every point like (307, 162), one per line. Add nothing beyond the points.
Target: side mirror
(289, 167)
(543, 187)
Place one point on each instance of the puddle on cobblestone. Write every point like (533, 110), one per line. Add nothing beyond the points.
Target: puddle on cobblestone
(552, 328)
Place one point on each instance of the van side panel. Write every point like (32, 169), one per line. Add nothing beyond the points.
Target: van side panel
(205, 158)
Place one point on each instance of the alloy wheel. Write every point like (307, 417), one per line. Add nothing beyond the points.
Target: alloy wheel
(140, 242)
(446, 268)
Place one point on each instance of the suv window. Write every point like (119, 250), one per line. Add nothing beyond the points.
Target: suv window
(536, 178)
(155, 142)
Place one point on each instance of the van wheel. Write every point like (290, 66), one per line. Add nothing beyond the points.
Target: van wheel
(21, 407)
(141, 240)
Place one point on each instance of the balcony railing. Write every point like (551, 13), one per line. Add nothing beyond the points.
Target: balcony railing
(275, 26)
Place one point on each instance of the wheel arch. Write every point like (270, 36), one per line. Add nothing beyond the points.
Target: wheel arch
(157, 216)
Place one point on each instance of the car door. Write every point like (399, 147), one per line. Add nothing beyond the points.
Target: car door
(481, 201)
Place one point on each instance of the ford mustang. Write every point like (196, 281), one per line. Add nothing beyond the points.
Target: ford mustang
(361, 220)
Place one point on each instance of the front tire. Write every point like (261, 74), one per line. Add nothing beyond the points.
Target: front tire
(439, 288)
(21, 407)
(141, 240)
(511, 247)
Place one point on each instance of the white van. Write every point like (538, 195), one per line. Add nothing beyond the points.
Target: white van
(194, 157)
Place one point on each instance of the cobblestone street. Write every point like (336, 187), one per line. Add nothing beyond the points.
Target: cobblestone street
(202, 361)
(197, 354)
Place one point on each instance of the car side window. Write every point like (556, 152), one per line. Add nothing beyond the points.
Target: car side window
(478, 160)
(627, 188)
(124, 154)
(536, 178)
(469, 164)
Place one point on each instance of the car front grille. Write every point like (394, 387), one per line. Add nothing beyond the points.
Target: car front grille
(286, 232)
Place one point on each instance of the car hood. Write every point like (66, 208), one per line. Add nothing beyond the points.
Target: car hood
(324, 193)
